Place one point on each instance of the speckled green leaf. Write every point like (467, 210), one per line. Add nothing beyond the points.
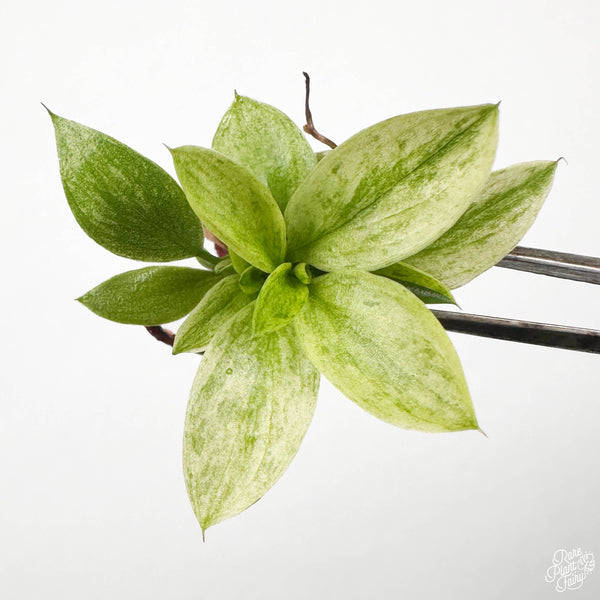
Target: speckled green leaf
(122, 200)
(220, 304)
(391, 189)
(385, 350)
(233, 204)
(250, 406)
(251, 280)
(150, 296)
(491, 227)
(279, 300)
(421, 284)
(239, 264)
(266, 142)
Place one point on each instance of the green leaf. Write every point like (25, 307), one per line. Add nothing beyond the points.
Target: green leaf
(250, 406)
(391, 189)
(421, 284)
(220, 304)
(239, 264)
(235, 206)
(279, 300)
(492, 226)
(122, 200)
(251, 280)
(303, 273)
(150, 296)
(380, 345)
(266, 142)
(224, 266)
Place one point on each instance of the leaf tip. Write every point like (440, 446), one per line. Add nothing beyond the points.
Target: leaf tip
(482, 431)
(559, 159)
(52, 115)
(236, 96)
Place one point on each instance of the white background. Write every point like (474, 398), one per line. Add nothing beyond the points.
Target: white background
(92, 499)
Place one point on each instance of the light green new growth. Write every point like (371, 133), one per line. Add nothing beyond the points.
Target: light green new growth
(279, 300)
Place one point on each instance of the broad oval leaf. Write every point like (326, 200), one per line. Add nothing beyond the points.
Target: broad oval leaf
(233, 204)
(123, 201)
(250, 406)
(381, 347)
(391, 189)
(492, 226)
(220, 304)
(279, 300)
(421, 284)
(265, 141)
(150, 296)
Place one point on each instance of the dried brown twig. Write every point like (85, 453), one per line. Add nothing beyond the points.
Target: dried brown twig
(310, 127)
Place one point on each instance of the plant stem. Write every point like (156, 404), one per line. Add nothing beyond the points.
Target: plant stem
(310, 127)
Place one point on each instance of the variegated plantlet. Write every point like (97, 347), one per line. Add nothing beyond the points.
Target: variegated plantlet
(332, 259)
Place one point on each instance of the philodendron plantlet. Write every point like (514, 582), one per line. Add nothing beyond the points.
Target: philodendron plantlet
(332, 258)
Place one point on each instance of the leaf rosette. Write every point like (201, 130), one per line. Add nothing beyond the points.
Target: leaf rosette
(332, 260)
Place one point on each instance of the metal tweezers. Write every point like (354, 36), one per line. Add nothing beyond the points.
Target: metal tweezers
(543, 262)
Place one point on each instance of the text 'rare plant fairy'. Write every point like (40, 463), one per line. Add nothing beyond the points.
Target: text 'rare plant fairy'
(330, 263)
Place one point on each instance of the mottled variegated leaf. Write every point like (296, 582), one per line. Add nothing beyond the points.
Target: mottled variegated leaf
(491, 227)
(124, 201)
(233, 204)
(220, 304)
(279, 300)
(266, 142)
(250, 406)
(150, 296)
(421, 284)
(391, 189)
(385, 350)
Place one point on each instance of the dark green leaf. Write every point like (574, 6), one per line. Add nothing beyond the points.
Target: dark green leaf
(122, 200)
(150, 296)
